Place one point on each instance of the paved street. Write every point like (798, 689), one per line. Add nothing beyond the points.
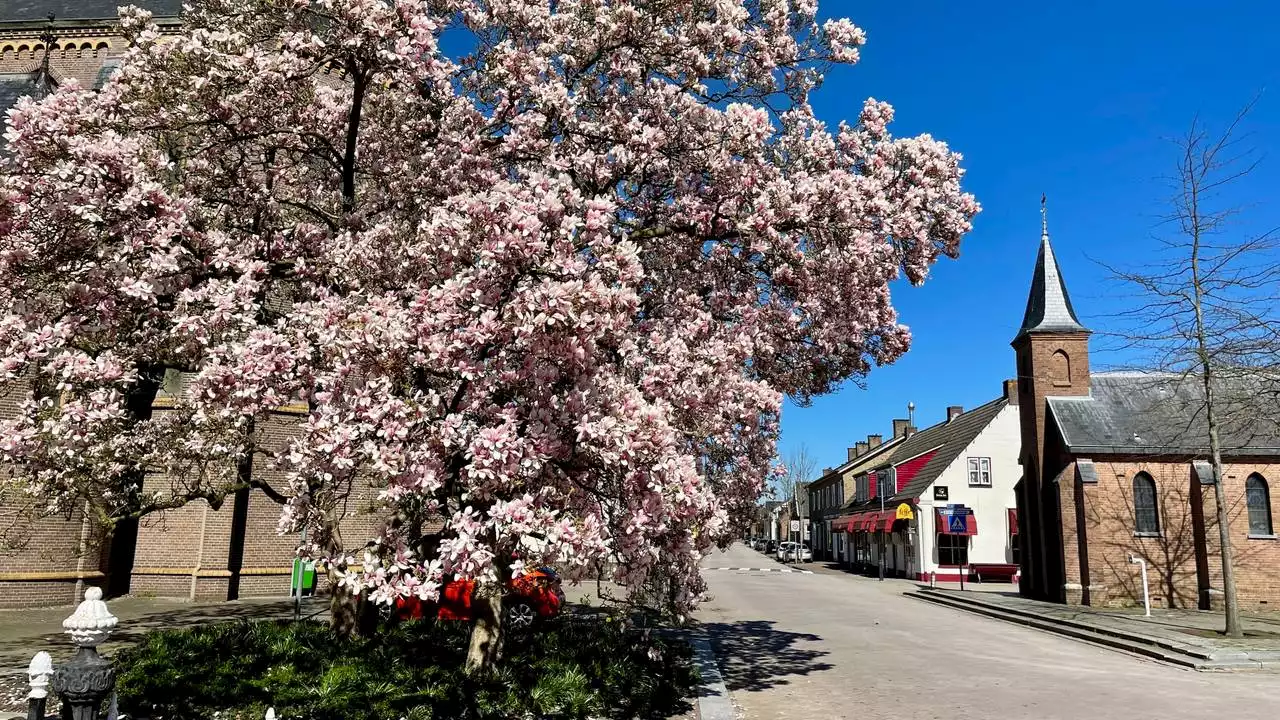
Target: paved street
(826, 645)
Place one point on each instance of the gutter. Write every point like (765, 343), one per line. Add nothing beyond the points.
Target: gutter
(1170, 451)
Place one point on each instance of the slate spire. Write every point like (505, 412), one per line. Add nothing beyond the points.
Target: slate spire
(1048, 306)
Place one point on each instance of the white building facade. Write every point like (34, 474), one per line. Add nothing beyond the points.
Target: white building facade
(948, 498)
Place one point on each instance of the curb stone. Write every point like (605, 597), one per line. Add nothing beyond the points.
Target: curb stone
(713, 696)
(1130, 643)
(1210, 656)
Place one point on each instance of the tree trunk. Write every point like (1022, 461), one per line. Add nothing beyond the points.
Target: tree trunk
(486, 634)
(1232, 604)
(344, 612)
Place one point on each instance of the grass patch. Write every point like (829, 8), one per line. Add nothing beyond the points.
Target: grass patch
(237, 670)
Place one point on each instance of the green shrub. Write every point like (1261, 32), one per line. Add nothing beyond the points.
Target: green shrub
(412, 671)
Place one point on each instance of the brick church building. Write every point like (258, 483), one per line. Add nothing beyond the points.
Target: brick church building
(1116, 465)
(195, 552)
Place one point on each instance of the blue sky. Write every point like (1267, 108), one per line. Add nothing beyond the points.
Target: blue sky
(1076, 100)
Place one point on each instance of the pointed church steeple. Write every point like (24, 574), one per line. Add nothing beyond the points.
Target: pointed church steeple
(43, 80)
(1048, 306)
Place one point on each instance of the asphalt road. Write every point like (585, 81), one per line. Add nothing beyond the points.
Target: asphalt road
(832, 645)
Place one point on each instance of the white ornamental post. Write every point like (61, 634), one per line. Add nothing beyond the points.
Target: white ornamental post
(38, 678)
(84, 682)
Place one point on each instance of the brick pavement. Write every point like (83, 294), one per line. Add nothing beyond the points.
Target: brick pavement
(836, 645)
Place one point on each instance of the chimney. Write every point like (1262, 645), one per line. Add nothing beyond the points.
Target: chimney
(899, 426)
(873, 441)
(1011, 391)
(861, 447)
(954, 411)
(908, 431)
(853, 453)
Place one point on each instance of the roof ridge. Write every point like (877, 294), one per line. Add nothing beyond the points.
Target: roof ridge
(946, 449)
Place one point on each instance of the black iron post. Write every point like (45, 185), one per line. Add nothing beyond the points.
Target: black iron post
(83, 684)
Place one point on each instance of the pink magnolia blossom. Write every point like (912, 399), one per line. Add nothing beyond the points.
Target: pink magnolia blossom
(550, 287)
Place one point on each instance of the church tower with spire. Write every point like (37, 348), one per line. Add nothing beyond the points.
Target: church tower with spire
(1052, 350)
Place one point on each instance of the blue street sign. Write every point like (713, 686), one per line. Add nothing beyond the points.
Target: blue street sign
(957, 524)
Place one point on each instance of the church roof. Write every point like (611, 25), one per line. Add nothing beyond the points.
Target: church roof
(38, 11)
(14, 86)
(1048, 305)
(1136, 413)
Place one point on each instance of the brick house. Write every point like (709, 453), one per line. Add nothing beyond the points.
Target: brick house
(194, 552)
(1116, 465)
(830, 493)
(948, 497)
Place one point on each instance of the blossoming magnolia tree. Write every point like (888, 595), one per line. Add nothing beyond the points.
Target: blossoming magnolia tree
(542, 269)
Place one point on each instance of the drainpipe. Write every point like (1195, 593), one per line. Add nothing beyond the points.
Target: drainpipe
(83, 547)
(195, 571)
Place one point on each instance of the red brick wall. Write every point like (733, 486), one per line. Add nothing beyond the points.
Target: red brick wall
(1173, 575)
(180, 552)
(1038, 379)
(1067, 505)
(41, 560)
(175, 539)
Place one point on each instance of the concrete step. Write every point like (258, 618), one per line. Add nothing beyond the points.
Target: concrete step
(1136, 645)
(1170, 645)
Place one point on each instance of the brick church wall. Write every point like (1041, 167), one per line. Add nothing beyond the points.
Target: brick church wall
(1173, 576)
(186, 552)
(180, 553)
(77, 54)
(41, 561)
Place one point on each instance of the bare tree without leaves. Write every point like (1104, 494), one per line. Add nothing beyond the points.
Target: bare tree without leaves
(1205, 319)
(801, 467)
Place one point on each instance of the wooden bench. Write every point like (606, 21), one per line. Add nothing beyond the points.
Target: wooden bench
(998, 572)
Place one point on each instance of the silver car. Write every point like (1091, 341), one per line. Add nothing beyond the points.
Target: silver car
(793, 552)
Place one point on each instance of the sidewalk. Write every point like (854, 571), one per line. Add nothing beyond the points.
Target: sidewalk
(1190, 638)
(25, 632)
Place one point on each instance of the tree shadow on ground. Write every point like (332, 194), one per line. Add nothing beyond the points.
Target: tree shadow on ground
(18, 644)
(754, 655)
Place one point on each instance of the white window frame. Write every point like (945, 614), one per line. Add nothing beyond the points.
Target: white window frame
(979, 471)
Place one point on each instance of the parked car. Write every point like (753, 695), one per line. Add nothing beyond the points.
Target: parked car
(781, 552)
(793, 552)
(530, 597)
(770, 546)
